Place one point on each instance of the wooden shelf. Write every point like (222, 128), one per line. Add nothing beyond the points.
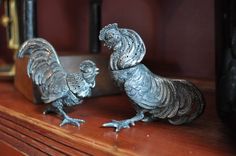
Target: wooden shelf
(24, 127)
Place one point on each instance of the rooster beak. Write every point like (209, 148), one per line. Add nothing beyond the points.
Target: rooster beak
(97, 70)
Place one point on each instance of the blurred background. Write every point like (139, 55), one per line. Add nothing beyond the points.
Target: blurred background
(179, 34)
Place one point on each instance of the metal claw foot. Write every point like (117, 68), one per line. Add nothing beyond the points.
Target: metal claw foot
(72, 121)
(118, 125)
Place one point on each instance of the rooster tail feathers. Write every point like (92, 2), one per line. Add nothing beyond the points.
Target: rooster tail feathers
(192, 105)
(31, 46)
(43, 59)
(199, 102)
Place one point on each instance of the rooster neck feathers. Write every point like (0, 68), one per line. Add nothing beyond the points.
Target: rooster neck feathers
(128, 47)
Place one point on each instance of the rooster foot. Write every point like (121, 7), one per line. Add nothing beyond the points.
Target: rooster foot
(119, 124)
(73, 121)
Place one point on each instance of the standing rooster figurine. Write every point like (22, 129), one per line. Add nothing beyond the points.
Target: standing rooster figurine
(56, 85)
(153, 96)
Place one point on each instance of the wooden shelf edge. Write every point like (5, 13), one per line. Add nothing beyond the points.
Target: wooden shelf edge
(23, 126)
(9, 149)
(37, 133)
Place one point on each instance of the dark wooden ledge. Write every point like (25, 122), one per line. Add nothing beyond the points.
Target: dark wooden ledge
(24, 127)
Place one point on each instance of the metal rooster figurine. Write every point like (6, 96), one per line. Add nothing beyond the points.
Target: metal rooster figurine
(56, 85)
(153, 96)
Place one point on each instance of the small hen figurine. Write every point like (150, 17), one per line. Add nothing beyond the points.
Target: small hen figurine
(56, 85)
(153, 96)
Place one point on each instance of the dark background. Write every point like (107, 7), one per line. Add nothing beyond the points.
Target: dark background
(179, 34)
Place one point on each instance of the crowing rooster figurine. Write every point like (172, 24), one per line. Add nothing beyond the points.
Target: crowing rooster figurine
(153, 96)
(56, 85)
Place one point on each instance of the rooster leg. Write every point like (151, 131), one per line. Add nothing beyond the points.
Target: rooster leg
(49, 109)
(118, 125)
(149, 119)
(66, 118)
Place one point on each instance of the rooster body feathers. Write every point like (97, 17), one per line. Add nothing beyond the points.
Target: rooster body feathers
(55, 84)
(153, 96)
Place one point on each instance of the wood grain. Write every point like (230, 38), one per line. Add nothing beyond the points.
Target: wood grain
(9, 150)
(23, 126)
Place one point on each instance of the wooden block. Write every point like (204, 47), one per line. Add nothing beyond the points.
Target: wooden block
(104, 83)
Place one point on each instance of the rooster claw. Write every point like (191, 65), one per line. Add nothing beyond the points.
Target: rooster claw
(75, 122)
(118, 125)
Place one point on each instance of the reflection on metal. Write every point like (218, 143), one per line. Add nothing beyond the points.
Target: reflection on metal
(20, 23)
(11, 22)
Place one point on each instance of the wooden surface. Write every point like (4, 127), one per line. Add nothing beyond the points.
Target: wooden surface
(7, 149)
(23, 126)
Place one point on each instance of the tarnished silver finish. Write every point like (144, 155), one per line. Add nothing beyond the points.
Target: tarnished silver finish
(56, 85)
(153, 96)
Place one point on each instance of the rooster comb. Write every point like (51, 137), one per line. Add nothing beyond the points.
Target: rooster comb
(108, 27)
